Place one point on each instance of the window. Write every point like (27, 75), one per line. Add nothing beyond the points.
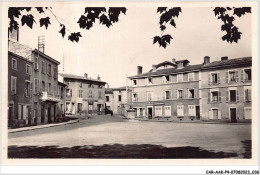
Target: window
(232, 76)
(166, 79)
(247, 94)
(107, 98)
(90, 107)
(167, 94)
(248, 76)
(214, 78)
(13, 85)
(158, 110)
(191, 93)
(14, 64)
(100, 95)
(150, 80)
(191, 76)
(36, 63)
(49, 69)
(43, 86)
(100, 86)
(28, 69)
(55, 73)
(180, 94)
(180, 110)
(135, 97)
(248, 112)
(215, 113)
(185, 77)
(80, 84)
(49, 88)
(149, 96)
(27, 89)
(135, 82)
(192, 111)
(79, 107)
(80, 93)
(232, 94)
(90, 95)
(174, 78)
(36, 85)
(43, 67)
(180, 77)
(167, 111)
(214, 96)
(61, 92)
(68, 92)
(119, 98)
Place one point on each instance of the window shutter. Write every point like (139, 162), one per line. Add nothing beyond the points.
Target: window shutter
(219, 114)
(19, 111)
(249, 94)
(25, 91)
(195, 93)
(242, 75)
(237, 96)
(227, 98)
(209, 79)
(208, 97)
(237, 77)
(176, 94)
(227, 77)
(24, 112)
(210, 114)
(31, 89)
(219, 96)
(218, 78)
(14, 85)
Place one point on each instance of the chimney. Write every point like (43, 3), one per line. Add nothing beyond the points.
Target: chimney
(224, 58)
(86, 75)
(174, 61)
(154, 67)
(206, 60)
(139, 70)
(14, 34)
(98, 78)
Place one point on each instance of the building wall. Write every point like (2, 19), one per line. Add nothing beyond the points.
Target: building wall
(19, 98)
(86, 99)
(44, 111)
(223, 86)
(110, 103)
(158, 96)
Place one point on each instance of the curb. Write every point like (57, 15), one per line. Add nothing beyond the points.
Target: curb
(41, 126)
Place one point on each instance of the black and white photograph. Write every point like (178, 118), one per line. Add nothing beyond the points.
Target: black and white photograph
(120, 81)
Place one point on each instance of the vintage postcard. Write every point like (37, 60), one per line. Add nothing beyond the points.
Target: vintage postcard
(129, 83)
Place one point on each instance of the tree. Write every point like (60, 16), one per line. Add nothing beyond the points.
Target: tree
(226, 14)
(105, 16)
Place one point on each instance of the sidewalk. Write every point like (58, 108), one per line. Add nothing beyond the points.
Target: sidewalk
(41, 126)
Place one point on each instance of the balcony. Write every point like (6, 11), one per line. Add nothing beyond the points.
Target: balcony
(49, 96)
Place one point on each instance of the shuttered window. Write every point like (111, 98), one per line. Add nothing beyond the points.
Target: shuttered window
(13, 85)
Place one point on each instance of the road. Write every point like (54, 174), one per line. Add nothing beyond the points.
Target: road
(101, 130)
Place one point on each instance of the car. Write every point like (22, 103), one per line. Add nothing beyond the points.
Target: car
(108, 111)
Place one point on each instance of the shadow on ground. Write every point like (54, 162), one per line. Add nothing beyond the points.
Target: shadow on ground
(145, 151)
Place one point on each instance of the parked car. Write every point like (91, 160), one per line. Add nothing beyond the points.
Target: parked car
(108, 111)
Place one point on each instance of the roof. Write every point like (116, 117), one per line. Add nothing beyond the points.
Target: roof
(227, 63)
(18, 56)
(165, 62)
(46, 56)
(63, 84)
(70, 76)
(169, 71)
(180, 61)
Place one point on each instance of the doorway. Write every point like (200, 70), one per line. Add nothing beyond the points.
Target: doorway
(233, 115)
(10, 115)
(49, 114)
(197, 113)
(150, 112)
(42, 113)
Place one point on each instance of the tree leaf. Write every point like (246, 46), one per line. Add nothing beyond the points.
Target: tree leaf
(45, 22)
(104, 20)
(28, 20)
(40, 9)
(114, 13)
(74, 36)
(161, 9)
(173, 23)
(167, 38)
(219, 10)
(63, 30)
(242, 11)
(82, 22)
(13, 12)
(162, 27)
(157, 39)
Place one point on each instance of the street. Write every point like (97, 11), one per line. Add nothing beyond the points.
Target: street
(114, 133)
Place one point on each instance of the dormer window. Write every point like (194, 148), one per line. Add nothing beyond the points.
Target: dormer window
(166, 78)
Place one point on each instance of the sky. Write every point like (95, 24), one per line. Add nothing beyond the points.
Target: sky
(115, 53)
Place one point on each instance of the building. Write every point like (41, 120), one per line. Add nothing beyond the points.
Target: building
(169, 90)
(19, 90)
(84, 94)
(226, 89)
(62, 102)
(118, 99)
(45, 88)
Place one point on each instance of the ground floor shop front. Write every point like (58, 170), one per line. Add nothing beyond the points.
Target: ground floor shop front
(85, 106)
(179, 110)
